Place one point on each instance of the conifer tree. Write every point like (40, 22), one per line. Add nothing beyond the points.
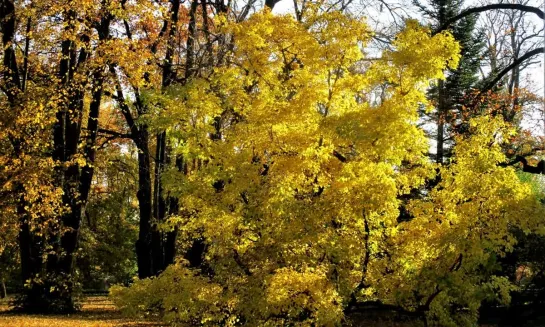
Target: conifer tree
(451, 94)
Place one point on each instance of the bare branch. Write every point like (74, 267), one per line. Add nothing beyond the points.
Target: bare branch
(476, 10)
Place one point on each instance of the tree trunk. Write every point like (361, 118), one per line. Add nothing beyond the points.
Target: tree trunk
(3, 291)
(29, 244)
(441, 115)
(163, 248)
(144, 195)
(159, 205)
(75, 179)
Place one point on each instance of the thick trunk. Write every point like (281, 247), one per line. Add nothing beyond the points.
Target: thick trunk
(75, 179)
(3, 291)
(61, 134)
(66, 134)
(31, 252)
(29, 244)
(81, 181)
(170, 247)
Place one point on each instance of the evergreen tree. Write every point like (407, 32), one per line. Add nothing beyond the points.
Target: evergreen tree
(451, 94)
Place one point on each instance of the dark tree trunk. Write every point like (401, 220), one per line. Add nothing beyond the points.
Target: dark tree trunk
(159, 205)
(140, 136)
(170, 247)
(83, 177)
(144, 195)
(190, 44)
(163, 247)
(75, 179)
(30, 245)
(3, 291)
(441, 117)
(8, 23)
(173, 209)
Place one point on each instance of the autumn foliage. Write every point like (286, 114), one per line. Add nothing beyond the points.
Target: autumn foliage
(251, 168)
(293, 213)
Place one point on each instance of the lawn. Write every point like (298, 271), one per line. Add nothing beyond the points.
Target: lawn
(97, 311)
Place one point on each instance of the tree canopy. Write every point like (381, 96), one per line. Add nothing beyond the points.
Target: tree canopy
(261, 169)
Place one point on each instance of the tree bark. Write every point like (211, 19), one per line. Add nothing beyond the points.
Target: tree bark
(140, 136)
(144, 195)
(30, 250)
(441, 113)
(162, 247)
(159, 206)
(3, 291)
(75, 180)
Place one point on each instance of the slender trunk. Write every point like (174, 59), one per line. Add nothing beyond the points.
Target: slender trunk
(173, 209)
(190, 44)
(8, 24)
(206, 28)
(140, 136)
(25, 58)
(90, 145)
(144, 195)
(441, 115)
(159, 205)
(170, 247)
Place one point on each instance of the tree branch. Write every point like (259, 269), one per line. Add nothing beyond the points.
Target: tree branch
(271, 3)
(114, 133)
(507, 69)
(476, 10)
(539, 169)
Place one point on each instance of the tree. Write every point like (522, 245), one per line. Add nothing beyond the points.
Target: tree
(243, 122)
(183, 41)
(513, 41)
(296, 200)
(56, 93)
(452, 94)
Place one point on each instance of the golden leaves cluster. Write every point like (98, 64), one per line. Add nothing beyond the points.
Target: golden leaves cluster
(297, 152)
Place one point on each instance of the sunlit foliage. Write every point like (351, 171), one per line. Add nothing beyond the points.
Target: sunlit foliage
(294, 171)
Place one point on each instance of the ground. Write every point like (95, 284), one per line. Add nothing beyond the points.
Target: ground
(97, 311)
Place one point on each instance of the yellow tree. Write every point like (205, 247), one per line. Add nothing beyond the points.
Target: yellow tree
(54, 75)
(290, 202)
